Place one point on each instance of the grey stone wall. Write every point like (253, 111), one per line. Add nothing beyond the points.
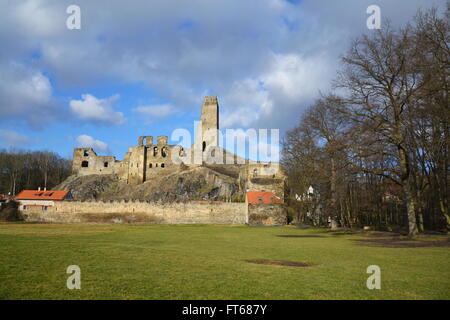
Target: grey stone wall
(135, 211)
(267, 214)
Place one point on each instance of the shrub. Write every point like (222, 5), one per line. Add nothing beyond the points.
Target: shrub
(10, 211)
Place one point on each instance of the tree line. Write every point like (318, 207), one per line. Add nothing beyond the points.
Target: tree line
(30, 170)
(375, 149)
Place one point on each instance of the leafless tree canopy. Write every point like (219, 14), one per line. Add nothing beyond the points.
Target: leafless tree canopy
(378, 154)
(29, 170)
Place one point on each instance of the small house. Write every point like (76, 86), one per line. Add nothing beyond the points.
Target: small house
(41, 198)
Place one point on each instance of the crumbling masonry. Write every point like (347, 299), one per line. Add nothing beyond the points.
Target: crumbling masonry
(151, 158)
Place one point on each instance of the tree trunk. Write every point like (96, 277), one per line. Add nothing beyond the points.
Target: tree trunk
(405, 177)
(334, 224)
(411, 212)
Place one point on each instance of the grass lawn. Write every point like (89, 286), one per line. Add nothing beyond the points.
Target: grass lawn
(144, 261)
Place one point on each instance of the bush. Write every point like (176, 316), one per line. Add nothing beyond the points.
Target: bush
(10, 212)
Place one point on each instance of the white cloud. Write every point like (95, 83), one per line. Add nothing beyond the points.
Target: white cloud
(10, 138)
(38, 17)
(85, 141)
(26, 95)
(289, 81)
(156, 111)
(282, 56)
(96, 110)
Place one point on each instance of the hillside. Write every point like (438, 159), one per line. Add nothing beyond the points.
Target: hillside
(200, 183)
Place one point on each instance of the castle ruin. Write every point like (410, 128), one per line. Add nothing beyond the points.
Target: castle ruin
(151, 158)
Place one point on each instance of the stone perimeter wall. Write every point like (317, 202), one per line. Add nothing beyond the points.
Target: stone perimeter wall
(267, 214)
(132, 212)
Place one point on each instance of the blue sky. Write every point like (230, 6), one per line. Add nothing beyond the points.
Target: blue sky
(143, 67)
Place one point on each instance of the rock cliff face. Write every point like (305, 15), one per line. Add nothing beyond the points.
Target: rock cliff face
(200, 183)
(88, 187)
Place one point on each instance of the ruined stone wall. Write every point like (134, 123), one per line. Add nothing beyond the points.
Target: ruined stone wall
(121, 211)
(159, 159)
(86, 161)
(267, 214)
(136, 164)
(263, 177)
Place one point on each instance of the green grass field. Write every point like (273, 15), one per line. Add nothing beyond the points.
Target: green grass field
(144, 261)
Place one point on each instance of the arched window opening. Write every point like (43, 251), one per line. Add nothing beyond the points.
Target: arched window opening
(155, 151)
(204, 145)
(84, 164)
(164, 152)
(162, 165)
(85, 153)
(150, 165)
(156, 165)
(255, 172)
(105, 164)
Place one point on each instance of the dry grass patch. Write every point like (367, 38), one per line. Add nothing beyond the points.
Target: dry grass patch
(119, 218)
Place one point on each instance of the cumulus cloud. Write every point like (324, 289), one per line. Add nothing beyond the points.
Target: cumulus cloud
(10, 138)
(26, 95)
(155, 111)
(85, 141)
(289, 81)
(283, 55)
(94, 110)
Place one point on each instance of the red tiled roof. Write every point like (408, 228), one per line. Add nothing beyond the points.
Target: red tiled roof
(262, 197)
(42, 195)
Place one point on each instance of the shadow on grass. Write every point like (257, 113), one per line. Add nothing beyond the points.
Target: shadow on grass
(280, 263)
(402, 243)
(299, 236)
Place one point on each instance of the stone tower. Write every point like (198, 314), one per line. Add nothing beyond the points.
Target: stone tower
(207, 131)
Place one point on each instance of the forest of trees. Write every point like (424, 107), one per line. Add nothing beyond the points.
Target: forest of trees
(31, 169)
(375, 150)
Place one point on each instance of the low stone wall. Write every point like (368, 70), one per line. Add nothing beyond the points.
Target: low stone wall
(267, 214)
(130, 212)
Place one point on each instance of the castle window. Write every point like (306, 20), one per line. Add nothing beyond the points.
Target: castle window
(105, 164)
(255, 172)
(155, 151)
(164, 152)
(162, 165)
(156, 165)
(24, 208)
(85, 153)
(150, 165)
(84, 164)
(204, 145)
(44, 208)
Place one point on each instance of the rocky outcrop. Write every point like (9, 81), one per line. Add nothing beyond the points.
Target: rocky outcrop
(200, 183)
(89, 187)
